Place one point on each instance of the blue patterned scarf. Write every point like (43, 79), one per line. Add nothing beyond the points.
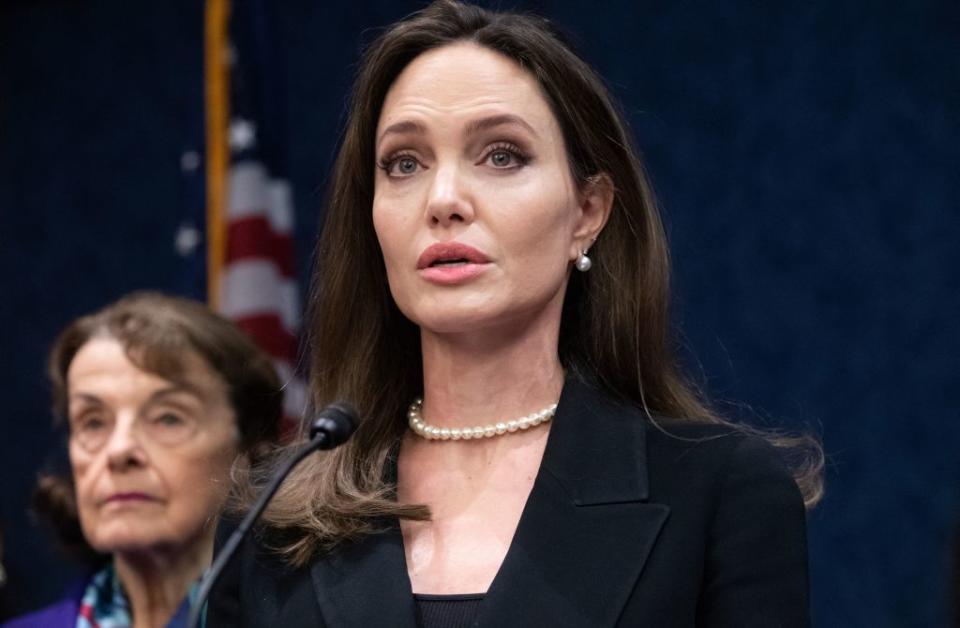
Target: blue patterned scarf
(105, 605)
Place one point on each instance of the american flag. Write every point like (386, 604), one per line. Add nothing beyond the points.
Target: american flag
(251, 268)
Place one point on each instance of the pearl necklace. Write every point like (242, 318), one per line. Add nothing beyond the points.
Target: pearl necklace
(422, 429)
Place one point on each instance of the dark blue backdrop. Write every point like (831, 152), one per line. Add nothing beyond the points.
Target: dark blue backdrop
(805, 155)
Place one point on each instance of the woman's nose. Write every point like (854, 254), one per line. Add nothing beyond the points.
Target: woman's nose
(449, 202)
(124, 449)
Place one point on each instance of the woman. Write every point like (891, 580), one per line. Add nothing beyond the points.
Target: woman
(160, 396)
(491, 292)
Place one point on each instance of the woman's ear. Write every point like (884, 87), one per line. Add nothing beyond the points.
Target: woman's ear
(595, 202)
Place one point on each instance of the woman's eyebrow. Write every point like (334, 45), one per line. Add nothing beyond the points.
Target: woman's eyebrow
(472, 128)
(81, 397)
(503, 119)
(175, 390)
(401, 127)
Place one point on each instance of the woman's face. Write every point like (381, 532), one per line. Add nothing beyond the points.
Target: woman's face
(475, 208)
(150, 457)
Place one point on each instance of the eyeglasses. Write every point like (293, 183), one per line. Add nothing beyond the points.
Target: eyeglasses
(92, 430)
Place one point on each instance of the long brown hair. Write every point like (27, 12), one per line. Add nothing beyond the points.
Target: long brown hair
(156, 331)
(615, 325)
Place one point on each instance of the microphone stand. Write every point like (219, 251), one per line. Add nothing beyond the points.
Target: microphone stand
(332, 427)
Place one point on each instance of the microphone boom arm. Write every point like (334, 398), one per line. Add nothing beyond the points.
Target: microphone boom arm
(331, 428)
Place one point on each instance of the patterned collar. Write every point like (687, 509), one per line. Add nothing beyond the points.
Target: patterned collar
(105, 605)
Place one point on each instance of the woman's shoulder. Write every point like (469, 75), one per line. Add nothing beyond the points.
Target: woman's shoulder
(61, 613)
(688, 454)
(710, 443)
(721, 460)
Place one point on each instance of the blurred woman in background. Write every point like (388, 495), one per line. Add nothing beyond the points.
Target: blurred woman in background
(160, 396)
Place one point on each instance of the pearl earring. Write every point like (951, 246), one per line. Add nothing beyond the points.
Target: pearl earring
(583, 262)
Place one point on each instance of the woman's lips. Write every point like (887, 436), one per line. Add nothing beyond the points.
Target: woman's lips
(449, 274)
(449, 263)
(448, 252)
(129, 497)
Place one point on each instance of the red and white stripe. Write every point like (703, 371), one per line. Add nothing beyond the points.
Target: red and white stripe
(258, 286)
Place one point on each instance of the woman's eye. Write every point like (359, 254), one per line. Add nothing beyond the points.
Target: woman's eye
(505, 157)
(501, 158)
(168, 419)
(400, 166)
(406, 165)
(171, 428)
(90, 431)
(92, 424)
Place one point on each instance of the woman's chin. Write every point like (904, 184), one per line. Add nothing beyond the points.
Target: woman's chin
(482, 322)
(448, 324)
(470, 326)
(131, 540)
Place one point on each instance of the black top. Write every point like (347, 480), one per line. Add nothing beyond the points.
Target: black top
(447, 611)
(627, 524)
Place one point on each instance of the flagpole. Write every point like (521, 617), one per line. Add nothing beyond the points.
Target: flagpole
(216, 91)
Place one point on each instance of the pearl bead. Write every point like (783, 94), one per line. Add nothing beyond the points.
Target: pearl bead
(583, 263)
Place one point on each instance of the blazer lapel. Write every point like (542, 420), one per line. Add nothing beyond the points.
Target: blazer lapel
(586, 530)
(366, 583)
(580, 546)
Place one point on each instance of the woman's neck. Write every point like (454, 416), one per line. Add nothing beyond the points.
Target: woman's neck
(157, 582)
(483, 378)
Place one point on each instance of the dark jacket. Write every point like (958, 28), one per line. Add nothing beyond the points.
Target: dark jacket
(626, 525)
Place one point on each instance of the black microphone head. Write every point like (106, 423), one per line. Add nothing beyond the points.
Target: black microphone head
(337, 421)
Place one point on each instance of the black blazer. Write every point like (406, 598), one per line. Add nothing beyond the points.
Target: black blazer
(625, 526)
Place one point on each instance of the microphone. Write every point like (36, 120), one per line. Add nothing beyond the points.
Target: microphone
(329, 429)
(335, 423)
